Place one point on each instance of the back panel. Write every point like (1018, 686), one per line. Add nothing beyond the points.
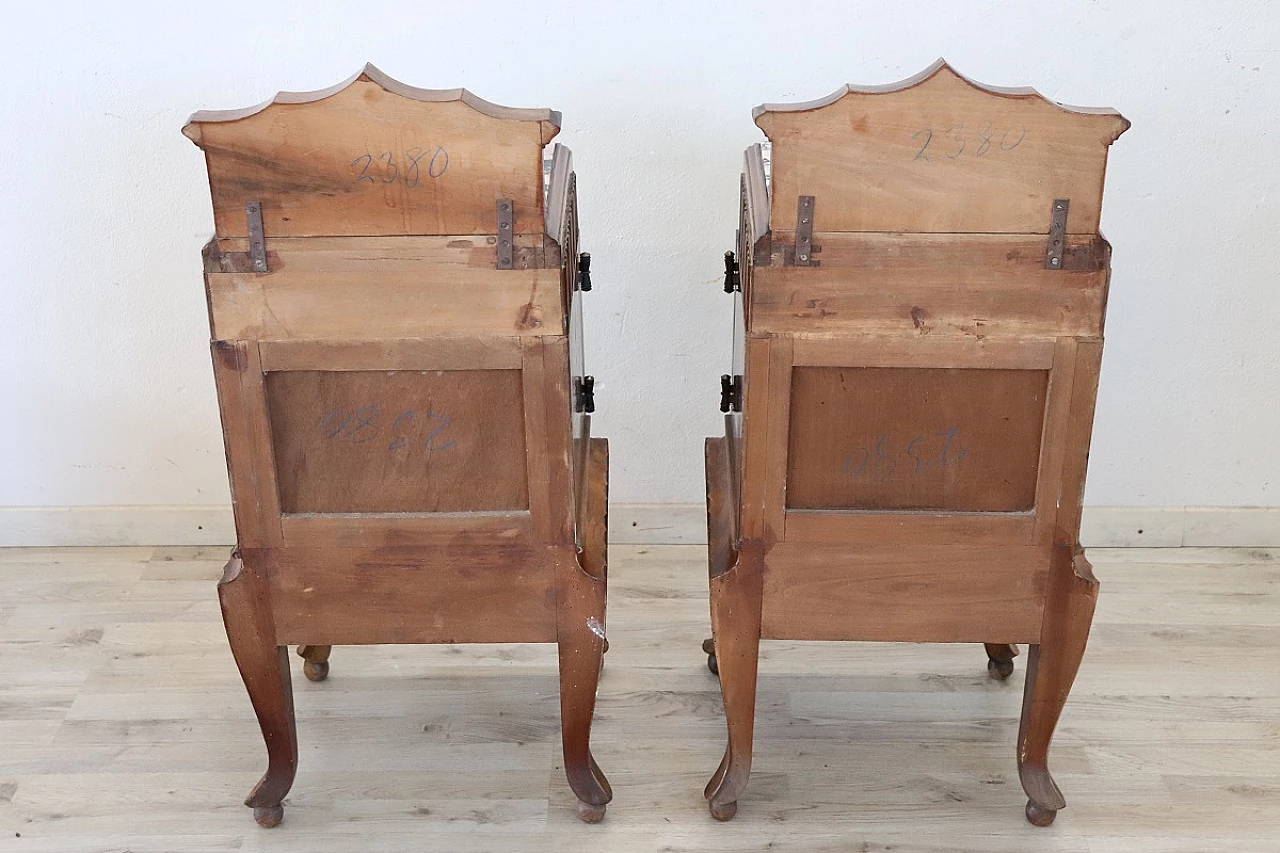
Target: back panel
(945, 439)
(398, 441)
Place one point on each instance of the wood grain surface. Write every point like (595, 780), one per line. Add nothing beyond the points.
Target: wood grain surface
(398, 441)
(915, 438)
(375, 157)
(938, 153)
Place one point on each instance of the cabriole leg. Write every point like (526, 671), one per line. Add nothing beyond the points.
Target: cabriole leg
(1051, 669)
(580, 621)
(264, 666)
(735, 624)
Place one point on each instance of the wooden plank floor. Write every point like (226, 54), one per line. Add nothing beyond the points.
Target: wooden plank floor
(124, 726)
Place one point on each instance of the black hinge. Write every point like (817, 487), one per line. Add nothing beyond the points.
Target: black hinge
(584, 394)
(732, 279)
(584, 272)
(730, 393)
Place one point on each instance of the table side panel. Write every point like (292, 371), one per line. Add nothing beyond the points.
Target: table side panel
(886, 592)
(466, 592)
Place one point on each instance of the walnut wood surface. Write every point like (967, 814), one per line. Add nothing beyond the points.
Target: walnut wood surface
(932, 285)
(937, 153)
(931, 300)
(396, 409)
(372, 156)
(398, 441)
(264, 666)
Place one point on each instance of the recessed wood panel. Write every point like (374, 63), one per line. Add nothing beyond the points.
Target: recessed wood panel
(398, 441)
(914, 438)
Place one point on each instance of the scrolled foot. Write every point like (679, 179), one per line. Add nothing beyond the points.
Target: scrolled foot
(723, 811)
(268, 816)
(1038, 815)
(590, 813)
(1000, 669)
(315, 670)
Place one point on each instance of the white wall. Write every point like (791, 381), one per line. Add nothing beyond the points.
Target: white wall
(107, 390)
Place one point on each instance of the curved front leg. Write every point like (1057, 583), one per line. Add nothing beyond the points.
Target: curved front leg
(580, 620)
(264, 666)
(1051, 669)
(736, 596)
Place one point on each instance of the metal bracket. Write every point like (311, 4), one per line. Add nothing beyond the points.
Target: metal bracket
(257, 239)
(730, 393)
(584, 394)
(1057, 234)
(732, 280)
(584, 272)
(506, 237)
(804, 232)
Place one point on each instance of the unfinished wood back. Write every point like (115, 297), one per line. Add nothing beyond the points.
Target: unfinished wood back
(375, 157)
(937, 153)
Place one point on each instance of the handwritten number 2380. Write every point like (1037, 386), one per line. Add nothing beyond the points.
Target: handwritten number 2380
(955, 143)
(386, 169)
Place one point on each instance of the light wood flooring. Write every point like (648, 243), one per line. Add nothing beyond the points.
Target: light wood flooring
(124, 725)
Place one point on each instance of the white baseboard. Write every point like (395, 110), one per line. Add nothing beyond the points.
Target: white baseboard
(640, 524)
(49, 526)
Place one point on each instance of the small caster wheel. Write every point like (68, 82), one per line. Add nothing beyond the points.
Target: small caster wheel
(999, 669)
(590, 813)
(723, 811)
(315, 670)
(1038, 815)
(268, 816)
(709, 646)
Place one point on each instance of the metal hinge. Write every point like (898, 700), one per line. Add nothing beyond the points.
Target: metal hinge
(506, 238)
(1057, 234)
(584, 272)
(804, 232)
(584, 394)
(732, 278)
(257, 238)
(731, 393)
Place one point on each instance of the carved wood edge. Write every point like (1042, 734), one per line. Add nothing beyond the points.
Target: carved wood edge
(592, 561)
(1082, 568)
(939, 66)
(231, 571)
(757, 192)
(723, 554)
(550, 119)
(557, 207)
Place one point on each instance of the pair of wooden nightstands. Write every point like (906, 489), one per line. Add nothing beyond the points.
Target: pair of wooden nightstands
(395, 298)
